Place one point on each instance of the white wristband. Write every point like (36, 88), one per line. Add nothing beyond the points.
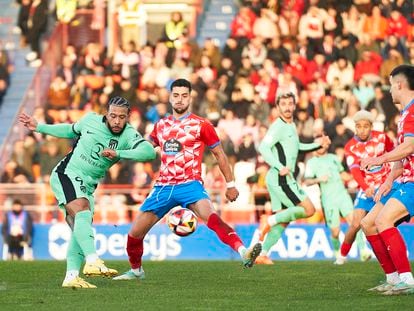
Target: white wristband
(231, 184)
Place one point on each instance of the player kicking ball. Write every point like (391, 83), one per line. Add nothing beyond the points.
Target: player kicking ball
(180, 138)
(101, 141)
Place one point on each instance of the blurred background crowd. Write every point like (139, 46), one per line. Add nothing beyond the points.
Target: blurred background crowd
(335, 56)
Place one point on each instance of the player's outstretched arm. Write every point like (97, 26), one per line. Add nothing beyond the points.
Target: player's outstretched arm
(397, 154)
(143, 151)
(28, 121)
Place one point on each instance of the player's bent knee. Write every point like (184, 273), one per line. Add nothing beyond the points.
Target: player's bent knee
(355, 226)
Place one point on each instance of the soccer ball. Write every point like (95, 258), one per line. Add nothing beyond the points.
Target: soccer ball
(182, 221)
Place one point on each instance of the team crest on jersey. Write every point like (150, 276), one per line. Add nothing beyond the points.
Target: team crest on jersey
(172, 146)
(187, 128)
(113, 143)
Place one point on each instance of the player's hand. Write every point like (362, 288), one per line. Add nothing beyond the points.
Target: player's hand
(367, 163)
(383, 190)
(284, 171)
(369, 193)
(28, 121)
(109, 153)
(232, 194)
(323, 179)
(325, 141)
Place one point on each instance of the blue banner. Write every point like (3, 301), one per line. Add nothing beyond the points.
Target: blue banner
(299, 242)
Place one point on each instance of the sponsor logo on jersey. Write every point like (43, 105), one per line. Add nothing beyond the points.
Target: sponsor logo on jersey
(96, 151)
(113, 143)
(172, 146)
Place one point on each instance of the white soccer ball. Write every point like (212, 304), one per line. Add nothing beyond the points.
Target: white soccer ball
(182, 221)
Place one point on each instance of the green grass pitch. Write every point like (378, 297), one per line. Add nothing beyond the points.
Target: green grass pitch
(202, 285)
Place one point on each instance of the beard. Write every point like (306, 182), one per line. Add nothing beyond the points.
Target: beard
(181, 110)
(112, 131)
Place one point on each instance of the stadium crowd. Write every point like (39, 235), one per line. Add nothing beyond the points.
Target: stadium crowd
(335, 56)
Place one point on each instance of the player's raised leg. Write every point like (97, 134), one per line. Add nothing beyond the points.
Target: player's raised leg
(204, 209)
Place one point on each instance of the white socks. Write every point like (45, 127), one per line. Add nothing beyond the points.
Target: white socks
(241, 250)
(70, 275)
(407, 277)
(91, 258)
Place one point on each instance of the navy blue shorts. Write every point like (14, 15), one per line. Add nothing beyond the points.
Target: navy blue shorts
(163, 198)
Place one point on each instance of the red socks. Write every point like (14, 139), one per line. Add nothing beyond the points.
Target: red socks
(226, 234)
(396, 248)
(380, 250)
(345, 247)
(135, 249)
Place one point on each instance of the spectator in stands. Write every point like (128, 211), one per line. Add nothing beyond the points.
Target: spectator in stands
(353, 22)
(58, 96)
(333, 24)
(341, 137)
(329, 48)
(4, 82)
(375, 25)
(172, 31)
(13, 173)
(256, 51)
(37, 24)
(259, 108)
(232, 126)
(347, 45)
(382, 102)
(17, 231)
(368, 67)
(405, 8)
(129, 59)
(342, 70)
(128, 92)
(206, 72)
(22, 18)
(266, 25)
(49, 156)
(67, 70)
(392, 42)
(211, 50)
(242, 26)
(156, 75)
(79, 93)
(292, 11)
(210, 107)
(66, 10)
(181, 68)
(247, 150)
(397, 26)
(277, 52)
(311, 25)
(233, 50)
(132, 18)
(393, 59)
(364, 92)
(368, 44)
(25, 154)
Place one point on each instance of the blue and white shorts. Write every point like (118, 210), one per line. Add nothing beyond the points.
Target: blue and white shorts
(163, 198)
